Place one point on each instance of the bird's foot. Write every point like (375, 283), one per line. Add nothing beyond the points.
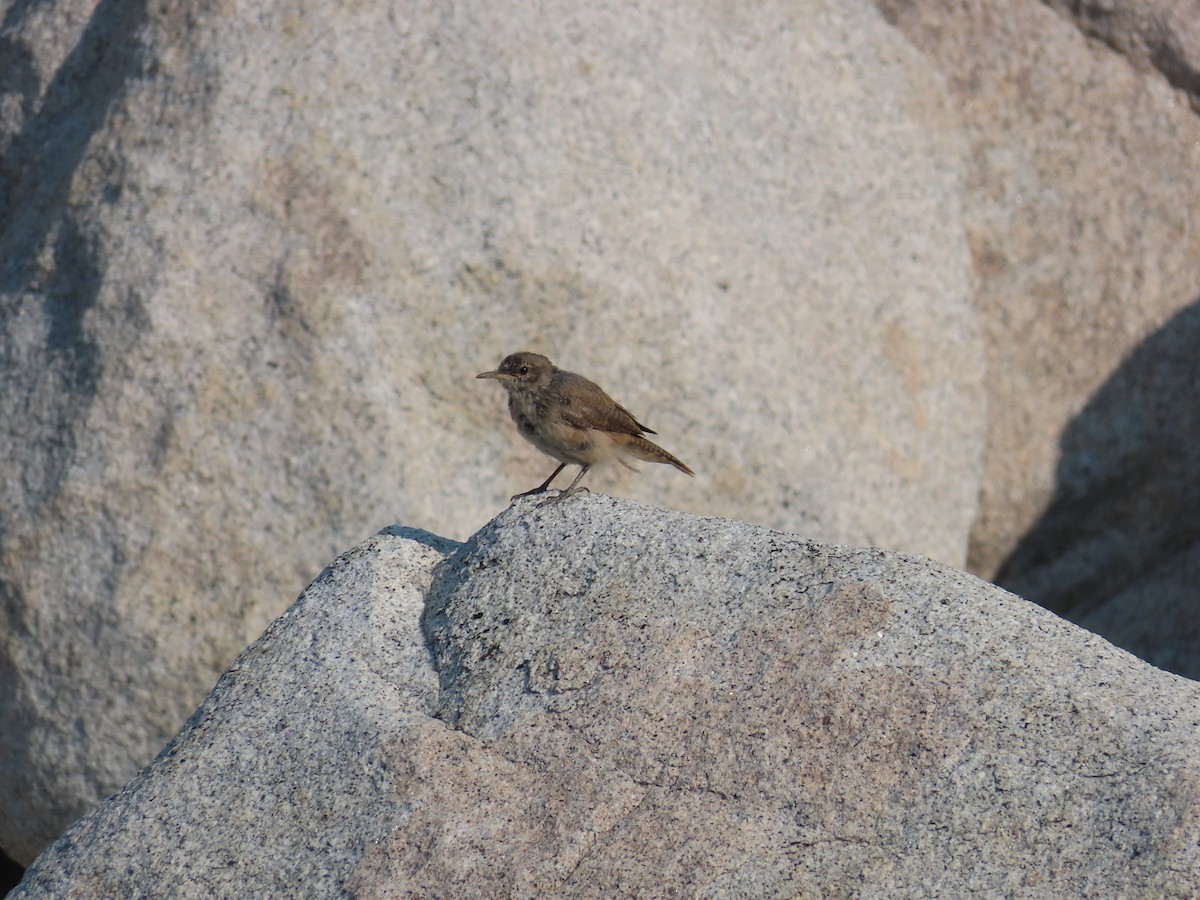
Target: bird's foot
(536, 490)
(563, 495)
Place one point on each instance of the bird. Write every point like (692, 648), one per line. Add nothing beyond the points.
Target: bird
(572, 419)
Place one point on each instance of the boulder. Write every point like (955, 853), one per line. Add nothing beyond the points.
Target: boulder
(1162, 35)
(1118, 548)
(251, 256)
(598, 698)
(1079, 202)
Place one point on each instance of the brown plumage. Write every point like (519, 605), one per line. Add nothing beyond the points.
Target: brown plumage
(571, 419)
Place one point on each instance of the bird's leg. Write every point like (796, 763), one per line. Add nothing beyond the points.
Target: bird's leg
(541, 488)
(571, 488)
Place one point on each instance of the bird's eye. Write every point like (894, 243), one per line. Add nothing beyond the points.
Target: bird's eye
(524, 370)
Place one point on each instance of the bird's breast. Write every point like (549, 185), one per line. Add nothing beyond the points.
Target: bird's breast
(545, 428)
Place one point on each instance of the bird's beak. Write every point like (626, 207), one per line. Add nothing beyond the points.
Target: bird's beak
(497, 375)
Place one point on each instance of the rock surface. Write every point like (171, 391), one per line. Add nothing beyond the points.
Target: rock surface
(599, 698)
(1082, 209)
(250, 257)
(1118, 547)
(1163, 35)
(252, 254)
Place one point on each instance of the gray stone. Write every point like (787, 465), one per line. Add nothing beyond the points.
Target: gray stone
(1160, 34)
(598, 698)
(1118, 547)
(1081, 207)
(1155, 615)
(251, 256)
(292, 746)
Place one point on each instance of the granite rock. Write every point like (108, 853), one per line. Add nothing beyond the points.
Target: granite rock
(598, 698)
(1082, 209)
(1163, 35)
(251, 256)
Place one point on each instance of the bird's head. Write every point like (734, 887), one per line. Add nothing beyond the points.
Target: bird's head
(522, 370)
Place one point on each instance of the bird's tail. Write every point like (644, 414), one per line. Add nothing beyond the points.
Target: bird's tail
(649, 451)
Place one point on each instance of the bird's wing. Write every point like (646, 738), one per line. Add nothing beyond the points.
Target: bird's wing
(585, 405)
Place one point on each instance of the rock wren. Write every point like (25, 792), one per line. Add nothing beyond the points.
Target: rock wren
(571, 419)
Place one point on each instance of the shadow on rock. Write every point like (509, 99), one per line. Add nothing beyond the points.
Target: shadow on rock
(1118, 548)
(40, 162)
